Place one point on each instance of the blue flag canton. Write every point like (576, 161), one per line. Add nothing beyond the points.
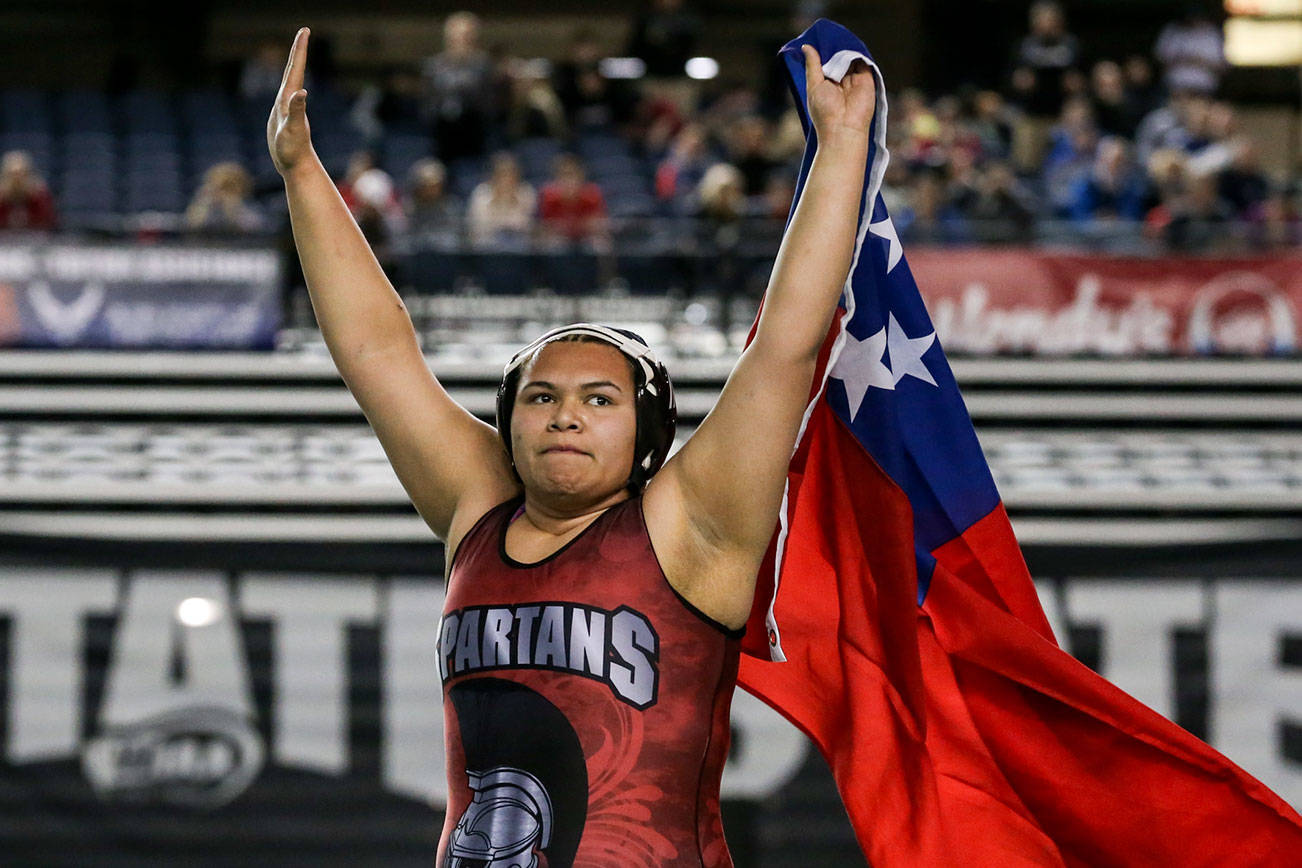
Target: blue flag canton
(891, 383)
(893, 387)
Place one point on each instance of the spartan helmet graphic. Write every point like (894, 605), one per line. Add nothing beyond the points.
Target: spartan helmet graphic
(506, 823)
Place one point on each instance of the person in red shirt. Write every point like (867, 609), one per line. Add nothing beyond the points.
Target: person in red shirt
(571, 207)
(25, 201)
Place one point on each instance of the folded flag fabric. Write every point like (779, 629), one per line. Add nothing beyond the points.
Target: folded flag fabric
(897, 625)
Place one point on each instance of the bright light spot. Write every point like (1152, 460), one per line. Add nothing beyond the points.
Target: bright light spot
(198, 611)
(702, 68)
(696, 313)
(622, 67)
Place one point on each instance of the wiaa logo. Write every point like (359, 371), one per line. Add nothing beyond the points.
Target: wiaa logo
(198, 757)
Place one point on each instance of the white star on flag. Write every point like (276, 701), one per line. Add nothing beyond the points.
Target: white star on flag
(886, 229)
(906, 353)
(860, 365)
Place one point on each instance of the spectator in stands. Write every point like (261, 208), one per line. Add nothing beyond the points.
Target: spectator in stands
(377, 208)
(921, 129)
(1071, 154)
(432, 211)
(458, 88)
(1199, 219)
(962, 176)
(590, 99)
(1174, 125)
(896, 186)
(682, 169)
(582, 53)
(1116, 109)
(398, 107)
(25, 200)
(664, 35)
(261, 73)
(993, 123)
(1141, 87)
(373, 200)
(1192, 51)
(1189, 211)
(780, 190)
(1242, 183)
(533, 109)
(571, 208)
(721, 195)
(996, 205)
(748, 151)
(657, 120)
(360, 161)
(502, 209)
(1113, 190)
(1043, 58)
(953, 134)
(222, 203)
(930, 216)
(502, 66)
(1218, 148)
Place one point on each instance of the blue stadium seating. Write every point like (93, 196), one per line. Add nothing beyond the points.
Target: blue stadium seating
(401, 150)
(149, 150)
(147, 112)
(25, 111)
(83, 112)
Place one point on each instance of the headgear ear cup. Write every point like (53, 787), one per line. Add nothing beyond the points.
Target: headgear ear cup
(657, 413)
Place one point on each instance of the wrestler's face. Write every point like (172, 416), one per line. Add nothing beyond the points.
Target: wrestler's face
(577, 395)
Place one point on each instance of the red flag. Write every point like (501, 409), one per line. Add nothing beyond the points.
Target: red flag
(905, 637)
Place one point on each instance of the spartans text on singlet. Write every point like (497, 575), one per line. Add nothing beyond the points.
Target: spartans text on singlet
(617, 647)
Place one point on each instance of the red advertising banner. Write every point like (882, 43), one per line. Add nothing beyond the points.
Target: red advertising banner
(992, 300)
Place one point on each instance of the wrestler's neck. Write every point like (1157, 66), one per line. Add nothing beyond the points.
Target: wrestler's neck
(558, 515)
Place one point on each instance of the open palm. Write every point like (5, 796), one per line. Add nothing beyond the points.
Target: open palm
(288, 137)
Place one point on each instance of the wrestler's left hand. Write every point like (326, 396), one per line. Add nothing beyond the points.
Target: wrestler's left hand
(840, 107)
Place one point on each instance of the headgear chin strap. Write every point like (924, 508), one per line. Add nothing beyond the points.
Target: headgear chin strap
(657, 415)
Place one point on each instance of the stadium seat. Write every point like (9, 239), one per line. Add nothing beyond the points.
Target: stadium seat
(596, 146)
(83, 112)
(25, 111)
(207, 111)
(536, 155)
(401, 151)
(570, 272)
(432, 271)
(465, 174)
(503, 272)
(147, 111)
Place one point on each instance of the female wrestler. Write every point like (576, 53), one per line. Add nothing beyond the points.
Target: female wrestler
(596, 590)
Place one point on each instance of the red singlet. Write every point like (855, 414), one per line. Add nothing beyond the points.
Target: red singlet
(586, 705)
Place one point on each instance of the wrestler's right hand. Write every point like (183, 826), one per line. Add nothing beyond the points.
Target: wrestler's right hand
(288, 137)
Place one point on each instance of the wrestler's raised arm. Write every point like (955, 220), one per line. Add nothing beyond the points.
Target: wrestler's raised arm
(728, 478)
(452, 465)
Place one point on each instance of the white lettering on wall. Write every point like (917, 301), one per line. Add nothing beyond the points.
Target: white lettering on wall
(150, 640)
(412, 715)
(47, 610)
(1138, 621)
(1252, 693)
(309, 617)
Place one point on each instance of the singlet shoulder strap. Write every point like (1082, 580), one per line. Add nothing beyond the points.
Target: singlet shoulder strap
(484, 521)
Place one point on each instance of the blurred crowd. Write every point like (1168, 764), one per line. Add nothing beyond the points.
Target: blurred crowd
(1136, 149)
(1107, 148)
